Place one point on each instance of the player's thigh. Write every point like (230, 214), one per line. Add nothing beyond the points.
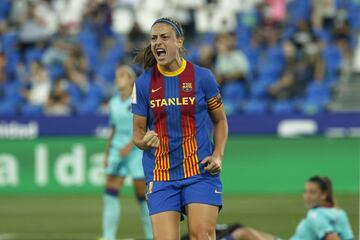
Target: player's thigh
(116, 166)
(202, 220)
(115, 170)
(163, 196)
(252, 234)
(166, 225)
(140, 187)
(134, 164)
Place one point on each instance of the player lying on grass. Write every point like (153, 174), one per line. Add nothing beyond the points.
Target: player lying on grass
(324, 221)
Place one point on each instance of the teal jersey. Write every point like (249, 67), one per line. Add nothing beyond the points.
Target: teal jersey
(321, 221)
(121, 119)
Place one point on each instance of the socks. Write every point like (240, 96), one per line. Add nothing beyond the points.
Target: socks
(111, 214)
(145, 217)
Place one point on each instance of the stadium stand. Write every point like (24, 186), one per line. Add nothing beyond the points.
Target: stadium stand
(286, 56)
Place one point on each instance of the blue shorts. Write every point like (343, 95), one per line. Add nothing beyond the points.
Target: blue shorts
(163, 196)
(130, 166)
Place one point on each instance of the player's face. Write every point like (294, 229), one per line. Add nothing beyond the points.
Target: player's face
(313, 195)
(123, 79)
(164, 44)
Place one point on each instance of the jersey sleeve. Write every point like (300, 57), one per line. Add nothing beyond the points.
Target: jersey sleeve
(320, 224)
(211, 91)
(138, 100)
(346, 232)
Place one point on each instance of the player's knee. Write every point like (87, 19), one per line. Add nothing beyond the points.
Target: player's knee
(202, 232)
(141, 198)
(241, 234)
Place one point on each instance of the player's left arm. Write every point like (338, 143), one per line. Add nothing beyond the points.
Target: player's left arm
(219, 120)
(332, 236)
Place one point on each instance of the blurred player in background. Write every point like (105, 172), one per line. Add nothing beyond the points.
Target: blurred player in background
(324, 221)
(172, 101)
(122, 157)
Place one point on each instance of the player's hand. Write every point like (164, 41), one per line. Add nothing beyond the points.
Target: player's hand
(212, 164)
(151, 139)
(125, 150)
(105, 162)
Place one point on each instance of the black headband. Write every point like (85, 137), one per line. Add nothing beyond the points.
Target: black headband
(172, 23)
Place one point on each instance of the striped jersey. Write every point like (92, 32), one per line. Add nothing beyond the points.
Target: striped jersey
(176, 105)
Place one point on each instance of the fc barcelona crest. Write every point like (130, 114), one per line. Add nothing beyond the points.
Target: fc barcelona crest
(187, 87)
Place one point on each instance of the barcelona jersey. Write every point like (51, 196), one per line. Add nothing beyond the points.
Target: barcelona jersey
(176, 105)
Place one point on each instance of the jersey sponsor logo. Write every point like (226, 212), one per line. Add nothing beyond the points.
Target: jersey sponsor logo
(155, 90)
(172, 102)
(187, 86)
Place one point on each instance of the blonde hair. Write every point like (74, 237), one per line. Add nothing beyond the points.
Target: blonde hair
(128, 69)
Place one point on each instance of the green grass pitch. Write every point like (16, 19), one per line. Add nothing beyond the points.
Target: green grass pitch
(79, 217)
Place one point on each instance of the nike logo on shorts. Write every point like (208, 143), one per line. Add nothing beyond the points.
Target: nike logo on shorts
(155, 90)
(217, 192)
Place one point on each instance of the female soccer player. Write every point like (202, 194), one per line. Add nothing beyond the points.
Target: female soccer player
(323, 221)
(122, 158)
(172, 101)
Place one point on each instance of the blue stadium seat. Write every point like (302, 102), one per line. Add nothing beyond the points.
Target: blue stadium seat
(87, 102)
(271, 71)
(30, 110)
(5, 8)
(332, 57)
(11, 100)
(33, 54)
(232, 93)
(106, 72)
(12, 59)
(55, 71)
(8, 108)
(323, 35)
(282, 107)
(114, 54)
(275, 55)
(353, 11)
(9, 41)
(316, 98)
(318, 91)
(255, 106)
(259, 88)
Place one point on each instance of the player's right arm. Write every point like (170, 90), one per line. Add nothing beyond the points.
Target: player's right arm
(108, 145)
(143, 139)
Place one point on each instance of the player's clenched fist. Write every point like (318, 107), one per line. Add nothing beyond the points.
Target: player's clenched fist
(151, 139)
(212, 164)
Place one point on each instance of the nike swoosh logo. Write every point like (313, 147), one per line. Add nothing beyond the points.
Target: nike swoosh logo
(155, 90)
(217, 192)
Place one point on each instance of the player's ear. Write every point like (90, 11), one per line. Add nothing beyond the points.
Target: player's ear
(180, 42)
(323, 196)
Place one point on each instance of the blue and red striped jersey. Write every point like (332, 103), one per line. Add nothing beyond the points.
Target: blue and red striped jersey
(176, 105)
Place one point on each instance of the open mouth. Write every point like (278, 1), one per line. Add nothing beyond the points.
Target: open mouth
(160, 52)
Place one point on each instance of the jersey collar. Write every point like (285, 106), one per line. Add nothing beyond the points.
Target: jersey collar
(174, 73)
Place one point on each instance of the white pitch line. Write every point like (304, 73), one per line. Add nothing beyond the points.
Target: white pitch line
(54, 236)
(7, 236)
